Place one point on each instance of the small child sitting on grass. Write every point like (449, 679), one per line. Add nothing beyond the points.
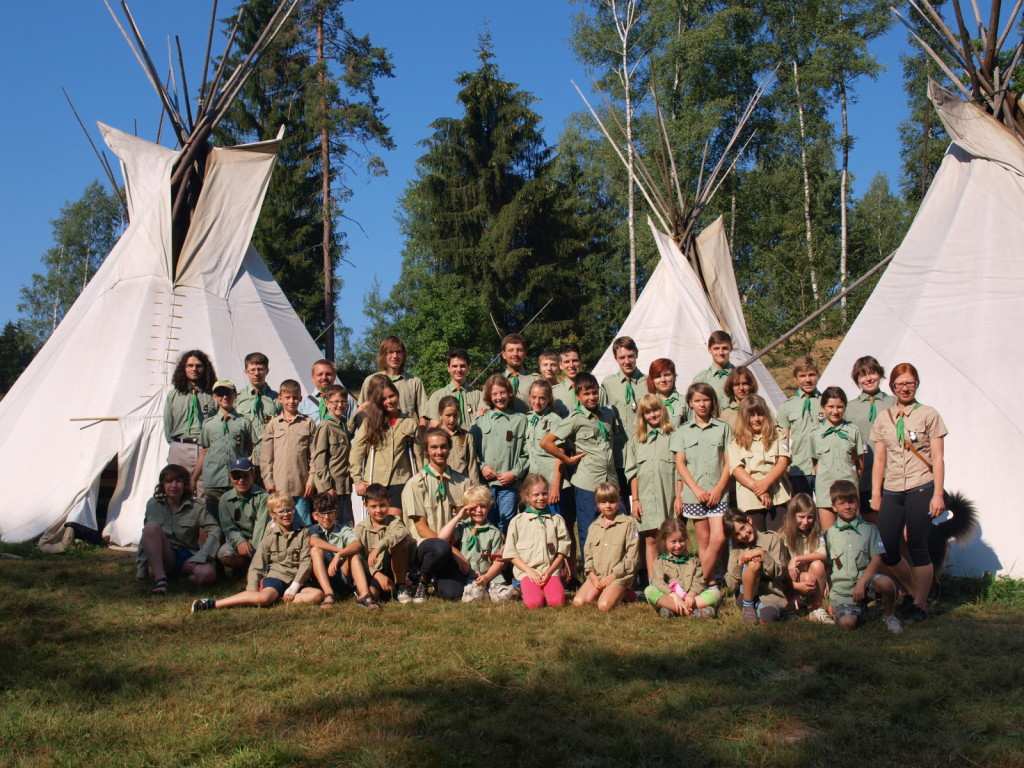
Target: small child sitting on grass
(610, 555)
(335, 551)
(388, 547)
(757, 570)
(279, 568)
(677, 586)
(477, 546)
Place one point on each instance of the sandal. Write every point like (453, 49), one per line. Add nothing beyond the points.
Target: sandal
(367, 601)
(159, 587)
(328, 601)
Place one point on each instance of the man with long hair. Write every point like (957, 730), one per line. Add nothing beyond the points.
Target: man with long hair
(189, 403)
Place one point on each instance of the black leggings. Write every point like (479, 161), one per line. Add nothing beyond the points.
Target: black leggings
(435, 562)
(770, 519)
(910, 510)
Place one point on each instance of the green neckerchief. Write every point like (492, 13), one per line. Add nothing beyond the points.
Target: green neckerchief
(680, 560)
(513, 381)
(225, 423)
(853, 525)
(838, 430)
(537, 513)
(807, 401)
(630, 393)
(652, 434)
(670, 403)
(721, 373)
(600, 424)
(331, 417)
(534, 418)
(442, 488)
(193, 413)
(396, 378)
(257, 407)
(473, 542)
(323, 407)
(462, 402)
(901, 426)
(873, 409)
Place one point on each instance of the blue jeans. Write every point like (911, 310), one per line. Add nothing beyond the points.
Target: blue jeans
(303, 513)
(586, 513)
(506, 503)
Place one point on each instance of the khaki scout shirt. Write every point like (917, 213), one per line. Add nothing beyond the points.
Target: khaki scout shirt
(704, 450)
(688, 574)
(676, 407)
(225, 438)
(615, 394)
(922, 425)
(521, 383)
(243, 518)
(183, 527)
(285, 456)
(535, 539)
(462, 457)
(330, 458)
(412, 398)
(715, 378)
(564, 395)
(421, 497)
(758, 462)
(802, 545)
(176, 419)
(500, 442)
(381, 539)
(836, 458)
(730, 414)
(471, 400)
(612, 550)
(540, 461)
(800, 426)
(774, 573)
(481, 545)
(259, 406)
(582, 427)
(851, 547)
(393, 461)
(651, 463)
(858, 411)
(281, 555)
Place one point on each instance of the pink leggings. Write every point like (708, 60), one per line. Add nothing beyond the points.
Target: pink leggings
(552, 593)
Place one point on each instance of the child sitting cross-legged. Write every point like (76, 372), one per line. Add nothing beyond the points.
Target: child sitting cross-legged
(610, 555)
(335, 551)
(387, 546)
(855, 550)
(477, 546)
(677, 586)
(757, 569)
(279, 568)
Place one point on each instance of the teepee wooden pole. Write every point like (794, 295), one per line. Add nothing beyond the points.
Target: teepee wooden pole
(201, 97)
(99, 155)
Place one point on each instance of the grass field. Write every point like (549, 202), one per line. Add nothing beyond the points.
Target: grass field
(93, 671)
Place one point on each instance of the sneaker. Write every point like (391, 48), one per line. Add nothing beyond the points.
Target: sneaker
(420, 595)
(915, 616)
(704, 613)
(820, 616)
(404, 595)
(665, 613)
(203, 604)
(769, 614)
(749, 614)
(893, 624)
(473, 592)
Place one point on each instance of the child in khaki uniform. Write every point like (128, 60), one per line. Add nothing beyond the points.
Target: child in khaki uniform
(837, 450)
(564, 392)
(622, 391)
(385, 449)
(330, 454)
(467, 400)
(805, 549)
(800, 416)
(412, 398)
(540, 421)
(387, 546)
(547, 366)
(334, 551)
(661, 381)
(477, 547)
(759, 456)
(715, 375)
(536, 545)
(867, 374)
(757, 570)
(463, 454)
(738, 385)
(677, 586)
(225, 437)
(280, 567)
(286, 455)
(500, 438)
(610, 557)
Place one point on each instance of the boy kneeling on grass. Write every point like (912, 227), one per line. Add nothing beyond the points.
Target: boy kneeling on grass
(279, 568)
(336, 554)
(855, 550)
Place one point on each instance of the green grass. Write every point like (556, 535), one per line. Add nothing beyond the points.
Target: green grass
(93, 671)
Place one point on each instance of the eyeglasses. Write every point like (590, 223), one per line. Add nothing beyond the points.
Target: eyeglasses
(239, 475)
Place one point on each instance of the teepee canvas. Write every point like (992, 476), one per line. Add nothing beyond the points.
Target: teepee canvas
(951, 302)
(674, 315)
(112, 357)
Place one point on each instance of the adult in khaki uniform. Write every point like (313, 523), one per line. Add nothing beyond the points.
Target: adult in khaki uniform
(189, 403)
(385, 449)
(412, 398)
(513, 354)
(564, 392)
(907, 483)
(242, 512)
(468, 400)
(257, 401)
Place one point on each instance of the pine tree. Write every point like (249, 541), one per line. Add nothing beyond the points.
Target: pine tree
(16, 351)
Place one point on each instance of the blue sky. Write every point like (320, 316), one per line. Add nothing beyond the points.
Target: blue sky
(52, 43)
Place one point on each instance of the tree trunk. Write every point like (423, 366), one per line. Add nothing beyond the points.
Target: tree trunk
(808, 231)
(630, 190)
(732, 216)
(325, 175)
(843, 183)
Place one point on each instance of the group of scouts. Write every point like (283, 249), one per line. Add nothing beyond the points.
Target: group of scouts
(539, 482)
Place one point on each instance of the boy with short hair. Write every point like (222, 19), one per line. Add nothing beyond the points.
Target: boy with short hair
(225, 437)
(457, 386)
(334, 550)
(513, 353)
(720, 348)
(547, 367)
(867, 374)
(589, 427)
(800, 415)
(387, 546)
(286, 455)
(757, 570)
(849, 543)
(391, 357)
(622, 391)
(477, 546)
(564, 392)
(330, 454)
(257, 402)
(279, 568)
(243, 516)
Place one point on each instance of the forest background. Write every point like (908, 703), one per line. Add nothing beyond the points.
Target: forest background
(498, 222)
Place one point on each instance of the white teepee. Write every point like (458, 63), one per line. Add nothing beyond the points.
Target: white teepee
(951, 302)
(674, 316)
(115, 351)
